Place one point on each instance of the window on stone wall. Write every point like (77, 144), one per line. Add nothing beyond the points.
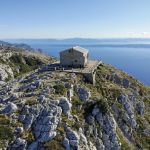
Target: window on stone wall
(75, 60)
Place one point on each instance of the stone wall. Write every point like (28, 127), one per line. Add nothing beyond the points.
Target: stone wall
(90, 77)
(73, 59)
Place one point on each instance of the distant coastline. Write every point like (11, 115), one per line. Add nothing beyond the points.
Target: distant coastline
(130, 55)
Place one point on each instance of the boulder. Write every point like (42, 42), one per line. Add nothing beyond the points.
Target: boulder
(66, 144)
(19, 144)
(126, 83)
(95, 111)
(91, 146)
(19, 129)
(47, 136)
(72, 135)
(44, 127)
(65, 105)
(133, 123)
(84, 94)
(83, 139)
(74, 144)
(33, 146)
(147, 132)
(99, 144)
(10, 108)
(28, 121)
(117, 79)
(90, 120)
(140, 108)
(5, 72)
(126, 117)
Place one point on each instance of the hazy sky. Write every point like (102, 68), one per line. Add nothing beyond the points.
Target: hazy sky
(74, 18)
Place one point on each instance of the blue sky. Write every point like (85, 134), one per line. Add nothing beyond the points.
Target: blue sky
(74, 18)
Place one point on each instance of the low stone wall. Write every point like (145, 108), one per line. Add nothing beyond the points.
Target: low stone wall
(90, 77)
(88, 72)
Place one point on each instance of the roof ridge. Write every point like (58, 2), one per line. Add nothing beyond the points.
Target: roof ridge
(77, 48)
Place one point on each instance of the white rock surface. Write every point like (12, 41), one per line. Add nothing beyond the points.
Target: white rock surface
(65, 105)
(5, 72)
(84, 94)
(10, 108)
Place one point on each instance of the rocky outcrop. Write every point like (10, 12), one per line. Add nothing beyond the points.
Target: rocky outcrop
(129, 115)
(45, 126)
(10, 108)
(106, 116)
(105, 133)
(19, 144)
(140, 108)
(73, 138)
(65, 105)
(118, 80)
(84, 94)
(5, 72)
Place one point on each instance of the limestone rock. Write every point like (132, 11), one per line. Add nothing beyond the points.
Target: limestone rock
(72, 135)
(73, 138)
(140, 108)
(90, 119)
(84, 94)
(99, 144)
(5, 72)
(19, 129)
(66, 144)
(65, 105)
(46, 123)
(19, 144)
(33, 146)
(10, 108)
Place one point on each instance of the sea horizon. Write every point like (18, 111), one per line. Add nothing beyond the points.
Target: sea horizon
(129, 55)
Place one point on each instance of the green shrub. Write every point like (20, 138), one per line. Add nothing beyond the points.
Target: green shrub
(31, 102)
(5, 130)
(60, 89)
(16, 59)
(88, 107)
(5, 133)
(54, 145)
(32, 61)
(103, 105)
(124, 143)
(76, 101)
(28, 135)
(4, 120)
(24, 68)
(25, 64)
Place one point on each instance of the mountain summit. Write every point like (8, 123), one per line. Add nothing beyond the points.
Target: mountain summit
(44, 109)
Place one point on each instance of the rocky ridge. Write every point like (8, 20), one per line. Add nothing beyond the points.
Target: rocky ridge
(55, 110)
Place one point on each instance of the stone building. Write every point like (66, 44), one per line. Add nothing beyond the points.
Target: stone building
(75, 57)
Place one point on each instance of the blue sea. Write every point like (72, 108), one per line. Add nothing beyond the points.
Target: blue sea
(131, 56)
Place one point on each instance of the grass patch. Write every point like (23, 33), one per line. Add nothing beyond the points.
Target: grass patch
(31, 102)
(60, 89)
(54, 145)
(125, 145)
(28, 135)
(6, 130)
(24, 63)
